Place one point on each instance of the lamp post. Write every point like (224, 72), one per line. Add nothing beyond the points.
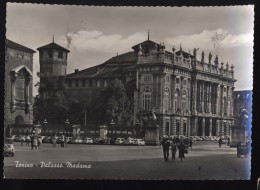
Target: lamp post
(67, 123)
(111, 124)
(45, 123)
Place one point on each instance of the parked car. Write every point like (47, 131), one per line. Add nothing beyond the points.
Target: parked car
(69, 139)
(129, 141)
(88, 140)
(120, 141)
(46, 139)
(139, 142)
(8, 147)
(77, 140)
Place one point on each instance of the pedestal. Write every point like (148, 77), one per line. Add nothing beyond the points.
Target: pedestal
(76, 130)
(237, 134)
(103, 131)
(152, 135)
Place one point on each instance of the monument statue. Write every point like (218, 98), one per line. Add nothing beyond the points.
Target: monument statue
(202, 56)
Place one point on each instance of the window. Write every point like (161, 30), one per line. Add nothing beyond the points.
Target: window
(185, 129)
(177, 80)
(70, 83)
(147, 78)
(105, 83)
(83, 83)
(146, 50)
(167, 98)
(184, 82)
(168, 79)
(184, 100)
(177, 99)
(177, 127)
(225, 105)
(60, 54)
(147, 99)
(76, 83)
(98, 83)
(50, 54)
(90, 83)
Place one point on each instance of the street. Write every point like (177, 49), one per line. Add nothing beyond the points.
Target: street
(205, 161)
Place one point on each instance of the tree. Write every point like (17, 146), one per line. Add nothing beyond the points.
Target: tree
(114, 104)
(51, 103)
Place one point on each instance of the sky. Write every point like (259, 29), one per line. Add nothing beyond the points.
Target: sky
(98, 33)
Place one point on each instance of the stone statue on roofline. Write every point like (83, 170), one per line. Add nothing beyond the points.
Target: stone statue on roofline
(195, 52)
(210, 57)
(202, 56)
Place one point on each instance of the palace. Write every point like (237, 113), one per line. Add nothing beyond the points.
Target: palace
(18, 84)
(189, 96)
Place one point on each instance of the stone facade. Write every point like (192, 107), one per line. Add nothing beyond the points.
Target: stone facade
(53, 60)
(188, 96)
(18, 84)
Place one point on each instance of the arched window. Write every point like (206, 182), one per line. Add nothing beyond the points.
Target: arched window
(167, 98)
(147, 98)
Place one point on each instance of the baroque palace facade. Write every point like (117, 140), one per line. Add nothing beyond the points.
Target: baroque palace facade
(188, 96)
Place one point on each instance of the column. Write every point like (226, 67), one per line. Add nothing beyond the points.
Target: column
(188, 127)
(204, 87)
(195, 129)
(13, 93)
(174, 125)
(210, 126)
(217, 99)
(194, 96)
(210, 97)
(173, 94)
(203, 126)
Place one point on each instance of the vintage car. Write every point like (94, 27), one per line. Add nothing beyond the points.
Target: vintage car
(8, 147)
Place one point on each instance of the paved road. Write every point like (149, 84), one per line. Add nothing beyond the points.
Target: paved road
(205, 161)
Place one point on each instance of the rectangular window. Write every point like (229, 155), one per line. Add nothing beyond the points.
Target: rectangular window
(60, 54)
(177, 80)
(105, 83)
(184, 129)
(98, 83)
(90, 83)
(147, 78)
(70, 83)
(83, 83)
(76, 83)
(50, 54)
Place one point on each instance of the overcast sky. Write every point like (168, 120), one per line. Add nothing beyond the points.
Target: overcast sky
(99, 33)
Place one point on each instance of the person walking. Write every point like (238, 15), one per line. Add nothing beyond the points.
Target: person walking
(191, 143)
(228, 141)
(173, 149)
(32, 137)
(220, 142)
(166, 146)
(54, 141)
(62, 141)
(181, 148)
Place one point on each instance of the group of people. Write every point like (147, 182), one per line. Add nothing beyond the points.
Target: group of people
(63, 141)
(34, 140)
(176, 143)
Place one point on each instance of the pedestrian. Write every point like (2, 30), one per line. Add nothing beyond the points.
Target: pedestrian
(22, 141)
(32, 141)
(181, 148)
(191, 143)
(173, 149)
(62, 141)
(28, 141)
(220, 142)
(238, 148)
(228, 141)
(166, 146)
(39, 142)
(54, 141)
